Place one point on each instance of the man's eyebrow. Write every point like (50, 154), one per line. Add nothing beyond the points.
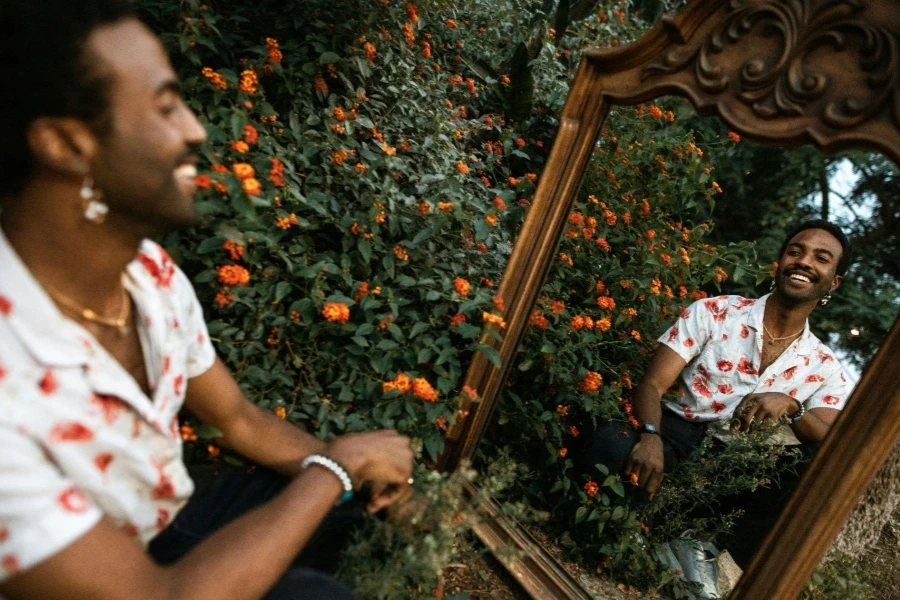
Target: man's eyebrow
(169, 85)
(802, 246)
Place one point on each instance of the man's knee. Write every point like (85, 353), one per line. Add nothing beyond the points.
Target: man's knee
(307, 584)
(610, 444)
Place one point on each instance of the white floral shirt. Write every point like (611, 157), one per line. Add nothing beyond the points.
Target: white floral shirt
(80, 440)
(721, 339)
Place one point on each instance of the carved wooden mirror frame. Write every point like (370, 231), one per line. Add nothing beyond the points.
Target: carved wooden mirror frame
(780, 72)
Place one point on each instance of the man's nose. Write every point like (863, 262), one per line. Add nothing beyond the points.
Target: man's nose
(195, 133)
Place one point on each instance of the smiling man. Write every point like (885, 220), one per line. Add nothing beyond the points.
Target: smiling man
(737, 362)
(102, 341)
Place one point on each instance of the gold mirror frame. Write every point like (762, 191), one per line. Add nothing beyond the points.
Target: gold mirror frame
(785, 73)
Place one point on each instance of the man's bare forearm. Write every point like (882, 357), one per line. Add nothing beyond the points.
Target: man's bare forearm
(647, 406)
(245, 558)
(810, 428)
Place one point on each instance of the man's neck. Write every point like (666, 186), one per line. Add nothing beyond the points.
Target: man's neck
(785, 318)
(67, 254)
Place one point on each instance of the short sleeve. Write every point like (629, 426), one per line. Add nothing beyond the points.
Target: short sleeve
(833, 393)
(689, 334)
(201, 354)
(41, 511)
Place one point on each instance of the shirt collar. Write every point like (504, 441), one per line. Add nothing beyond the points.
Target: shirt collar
(40, 327)
(804, 345)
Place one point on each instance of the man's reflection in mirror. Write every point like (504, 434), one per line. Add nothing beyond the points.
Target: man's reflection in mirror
(737, 364)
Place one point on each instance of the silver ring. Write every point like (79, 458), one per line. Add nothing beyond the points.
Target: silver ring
(410, 481)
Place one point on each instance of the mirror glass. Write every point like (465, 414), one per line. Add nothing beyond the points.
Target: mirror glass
(676, 236)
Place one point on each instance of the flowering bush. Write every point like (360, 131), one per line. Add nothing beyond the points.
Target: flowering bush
(368, 166)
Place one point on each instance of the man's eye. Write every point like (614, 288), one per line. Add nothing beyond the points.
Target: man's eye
(168, 109)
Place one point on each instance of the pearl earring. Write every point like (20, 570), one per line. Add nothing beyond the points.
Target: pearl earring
(825, 299)
(95, 210)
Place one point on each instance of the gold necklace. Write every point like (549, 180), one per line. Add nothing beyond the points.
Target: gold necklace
(773, 339)
(120, 323)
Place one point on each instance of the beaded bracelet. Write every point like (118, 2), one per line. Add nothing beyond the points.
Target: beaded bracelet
(335, 467)
(800, 413)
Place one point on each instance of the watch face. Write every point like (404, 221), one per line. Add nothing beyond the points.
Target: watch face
(649, 428)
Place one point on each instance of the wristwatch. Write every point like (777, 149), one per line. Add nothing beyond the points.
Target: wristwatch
(648, 428)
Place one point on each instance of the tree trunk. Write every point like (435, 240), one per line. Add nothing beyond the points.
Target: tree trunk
(881, 500)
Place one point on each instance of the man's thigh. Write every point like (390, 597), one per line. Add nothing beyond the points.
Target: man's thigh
(306, 584)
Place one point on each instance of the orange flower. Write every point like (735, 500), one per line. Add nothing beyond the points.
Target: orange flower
(424, 208)
(603, 244)
(603, 324)
(422, 389)
(408, 34)
(273, 337)
(655, 111)
(445, 206)
(223, 298)
(360, 168)
(250, 134)
(426, 50)
(499, 303)
(591, 488)
(457, 319)
(389, 150)
(400, 253)
(243, 170)
(252, 186)
(468, 391)
(504, 79)
(562, 411)
(520, 142)
(716, 187)
(402, 382)
(591, 382)
(336, 312)
(451, 24)
(491, 220)
(233, 275)
(573, 431)
(610, 217)
(213, 450)
(275, 55)
(721, 275)
(557, 307)
(606, 303)
(531, 177)
(405, 146)
(538, 319)
(234, 249)
(630, 313)
(513, 182)
(280, 412)
(286, 222)
(187, 433)
(320, 85)
(249, 81)
(494, 319)
(276, 173)
(462, 167)
(462, 286)
(240, 146)
(217, 79)
(636, 335)
(562, 452)
(203, 181)
(577, 322)
(734, 137)
(369, 49)
(339, 156)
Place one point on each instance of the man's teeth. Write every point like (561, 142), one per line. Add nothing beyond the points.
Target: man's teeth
(189, 171)
(798, 277)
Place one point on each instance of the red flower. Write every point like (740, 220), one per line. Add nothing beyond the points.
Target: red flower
(111, 407)
(673, 333)
(725, 388)
(745, 332)
(725, 365)
(824, 356)
(72, 500)
(591, 488)
(164, 488)
(789, 372)
(746, 367)
(71, 431)
(717, 311)
(102, 461)
(689, 342)
(161, 272)
(701, 368)
(831, 400)
(718, 407)
(687, 410)
(162, 519)
(10, 564)
(815, 378)
(699, 386)
(177, 384)
(5, 306)
(48, 383)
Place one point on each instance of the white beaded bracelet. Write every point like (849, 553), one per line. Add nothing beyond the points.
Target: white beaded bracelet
(335, 467)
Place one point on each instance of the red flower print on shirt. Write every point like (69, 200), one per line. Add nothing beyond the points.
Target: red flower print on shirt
(48, 383)
(805, 361)
(824, 356)
(724, 337)
(718, 312)
(10, 564)
(725, 388)
(831, 400)
(725, 365)
(673, 333)
(746, 367)
(201, 338)
(178, 383)
(745, 331)
(700, 387)
(689, 342)
(2, 372)
(161, 273)
(162, 519)
(744, 302)
(72, 500)
(101, 461)
(701, 368)
(111, 407)
(70, 431)
(793, 393)
(167, 361)
(718, 407)
(4, 534)
(815, 378)
(687, 411)
(164, 488)
(175, 324)
(789, 372)
(685, 313)
(5, 306)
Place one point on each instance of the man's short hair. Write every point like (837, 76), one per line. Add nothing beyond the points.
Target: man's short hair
(837, 232)
(47, 73)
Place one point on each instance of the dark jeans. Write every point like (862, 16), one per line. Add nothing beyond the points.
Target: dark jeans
(611, 445)
(224, 493)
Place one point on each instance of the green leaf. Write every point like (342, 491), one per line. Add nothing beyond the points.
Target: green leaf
(281, 290)
(418, 328)
(491, 354)
(329, 58)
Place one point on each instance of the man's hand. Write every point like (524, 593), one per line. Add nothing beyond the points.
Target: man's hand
(384, 456)
(754, 409)
(645, 466)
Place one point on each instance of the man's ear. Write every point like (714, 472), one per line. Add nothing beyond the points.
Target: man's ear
(836, 282)
(63, 144)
